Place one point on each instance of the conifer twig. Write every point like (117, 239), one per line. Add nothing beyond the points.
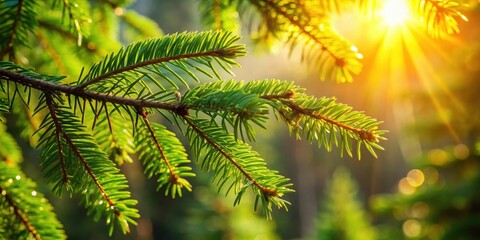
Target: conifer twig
(88, 169)
(173, 176)
(267, 192)
(220, 52)
(18, 212)
(52, 87)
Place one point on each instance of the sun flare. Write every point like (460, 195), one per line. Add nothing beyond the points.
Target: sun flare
(395, 12)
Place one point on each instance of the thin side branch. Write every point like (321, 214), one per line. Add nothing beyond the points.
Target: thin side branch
(8, 49)
(265, 191)
(301, 26)
(221, 52)
(69, 141)
(363, 134)
(174, 177)
(58, 137)
(20, 215)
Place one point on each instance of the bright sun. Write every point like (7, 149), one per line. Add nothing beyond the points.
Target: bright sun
(395, 12)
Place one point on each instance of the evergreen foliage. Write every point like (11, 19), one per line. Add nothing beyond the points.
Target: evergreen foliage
(341, 215)
(90, 112)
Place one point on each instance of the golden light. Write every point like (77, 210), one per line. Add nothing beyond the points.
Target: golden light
(395, 12)
(438, 157)
(405, 188)
(412, 228)
(415, 177)
(401, 57)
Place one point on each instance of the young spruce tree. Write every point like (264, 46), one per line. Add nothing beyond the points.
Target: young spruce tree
(87, 103)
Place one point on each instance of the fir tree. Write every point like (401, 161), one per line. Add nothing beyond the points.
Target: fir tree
(342, 216)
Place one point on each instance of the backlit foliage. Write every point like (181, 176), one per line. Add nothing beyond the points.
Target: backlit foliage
(89, 104)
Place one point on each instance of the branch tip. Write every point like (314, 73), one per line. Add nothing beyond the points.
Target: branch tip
(367, 136)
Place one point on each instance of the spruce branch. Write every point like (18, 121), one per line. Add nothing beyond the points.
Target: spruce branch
(142, 113)
(23, 210)
(234, 161)
(58, 137)
(19, 21)
(178, 50)
(19, 214)
(53, 87)
(303, 23)
(218, 147)
(89, 170)
(440, 17)
(59, 131)
(152, 62)
(320, 119)
(236, 104)
(339, 118)
(362, 133)
(76, 15)
(166, 158)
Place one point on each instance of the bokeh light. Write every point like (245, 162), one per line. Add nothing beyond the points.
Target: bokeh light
(412, 228)
(405, 187)
(438, 157)
(415, 177)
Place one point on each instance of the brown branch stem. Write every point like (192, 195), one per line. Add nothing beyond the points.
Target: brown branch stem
(58, 127)
(151, 62)
(265, 191)
(18, 212)
(9, 45)
(173, 175)
(52, 87)
(74, 148)
(363, 134)
(300, 25)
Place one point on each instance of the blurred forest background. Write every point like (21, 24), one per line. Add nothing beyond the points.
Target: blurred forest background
(423, 186)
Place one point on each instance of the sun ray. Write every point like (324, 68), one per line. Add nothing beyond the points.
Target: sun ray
(428, 76)
(403, 58)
